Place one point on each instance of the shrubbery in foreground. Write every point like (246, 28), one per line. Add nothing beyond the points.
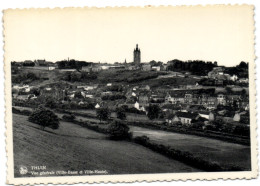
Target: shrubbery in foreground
(45, 118)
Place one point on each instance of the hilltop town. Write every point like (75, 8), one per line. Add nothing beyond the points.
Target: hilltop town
(193, 94)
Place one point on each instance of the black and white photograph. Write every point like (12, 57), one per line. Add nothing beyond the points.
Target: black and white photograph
(130, 91)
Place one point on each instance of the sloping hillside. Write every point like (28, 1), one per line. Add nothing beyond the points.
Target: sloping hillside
(72, 147)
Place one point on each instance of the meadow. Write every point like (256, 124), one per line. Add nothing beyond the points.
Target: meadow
(72, 147)
(212, 150)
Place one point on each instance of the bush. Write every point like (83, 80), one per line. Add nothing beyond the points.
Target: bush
(197, 125)
(132, 110)
(120, 114)
(103, 114)
(68, 117)
(153, 111)
(141, 140)
(51, 103)
(44, 118)
(118, 131)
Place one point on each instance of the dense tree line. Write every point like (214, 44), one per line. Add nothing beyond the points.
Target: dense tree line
(72, 64)
(240, 70)
(25, 63)
(196, 67)
(155, 63)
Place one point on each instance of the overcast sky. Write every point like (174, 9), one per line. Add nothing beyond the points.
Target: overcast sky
(223, 34)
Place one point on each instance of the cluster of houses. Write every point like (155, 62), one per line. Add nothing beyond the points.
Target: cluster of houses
(182, 103)
(179, 105)
(187, 106)
(22, 92)
(188, 118)
(218, 74)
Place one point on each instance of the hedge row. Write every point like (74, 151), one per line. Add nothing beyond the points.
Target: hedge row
(75, 113)
(184, 157)
(22, 112)
(91, 126)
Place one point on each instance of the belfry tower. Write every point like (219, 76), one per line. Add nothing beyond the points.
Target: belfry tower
(137, 55)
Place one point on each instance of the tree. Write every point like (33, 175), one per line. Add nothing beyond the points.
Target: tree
(120, 113)
(75, 76)
(102, 114)
(243, 65)
(153, 111)
(35, 91)
(78, 95)
(243, 93)
(118, 131)
(44, 118)
(235, 105)
(51, 103)
(229, 90)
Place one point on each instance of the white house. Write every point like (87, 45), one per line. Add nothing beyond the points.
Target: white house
(137, 106)
(156, 68)
(97, 106)
(72, 95)
(89, 96)
(186, 118)
(234, 77)
(51, 67)
(142, 108)
(81, 103)
(237, 116)
(27, 89)
(207, 115)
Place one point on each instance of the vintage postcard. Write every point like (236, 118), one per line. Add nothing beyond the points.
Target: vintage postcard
(130, 94)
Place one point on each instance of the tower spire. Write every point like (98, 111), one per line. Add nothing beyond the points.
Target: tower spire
(137, 56)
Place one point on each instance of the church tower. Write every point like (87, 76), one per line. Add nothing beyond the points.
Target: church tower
(137, 55)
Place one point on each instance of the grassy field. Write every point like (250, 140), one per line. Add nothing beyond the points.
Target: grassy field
(212, 150)
(73, 147)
